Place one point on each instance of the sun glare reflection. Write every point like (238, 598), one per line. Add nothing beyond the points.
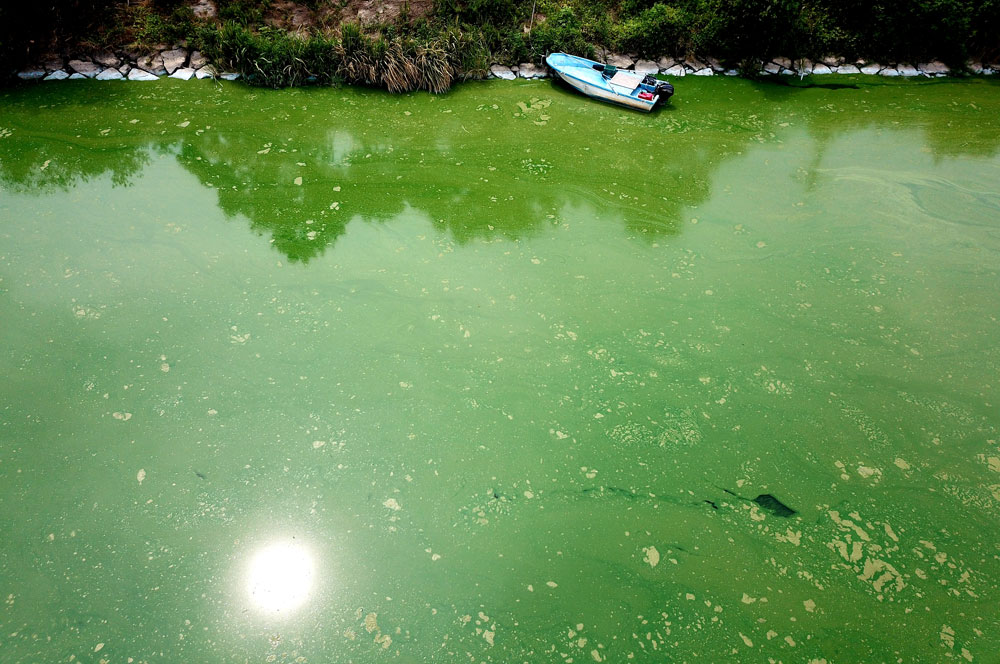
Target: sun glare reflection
(280, 577)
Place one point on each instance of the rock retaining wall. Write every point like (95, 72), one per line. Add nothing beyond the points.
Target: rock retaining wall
(778, 66)
(178, 62)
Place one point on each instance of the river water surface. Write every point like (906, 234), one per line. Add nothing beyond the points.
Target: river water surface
(504, 375)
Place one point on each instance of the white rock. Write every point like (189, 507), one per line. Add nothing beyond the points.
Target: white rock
(141, 75)
(208, 71)
(715, 65)
(704, 72)
(110, 75)
(76, 76)
(620, 61)
(502, 71)
(732, 72)
(57, 75)
(229, 76)
(833, 61)
(676, 70)
(174, 59)
(184, 74)
(125, 69)
(646, 67)
(871, 70)
(907, 70)
(531, 70)
(805, 67)
(821, 68)
(784, 62)
(35, 74)
(786, 72)
(888, 71)
(665, 63)
(771, 68)
(848, 69)
(936, 67)
(197, 60)
(84, 68)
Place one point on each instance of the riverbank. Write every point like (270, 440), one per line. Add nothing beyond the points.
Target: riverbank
(182, 63)
(405, 45)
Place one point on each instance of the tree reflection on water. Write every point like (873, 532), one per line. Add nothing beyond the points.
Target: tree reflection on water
(486, 160)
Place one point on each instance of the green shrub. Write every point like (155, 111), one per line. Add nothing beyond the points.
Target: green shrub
(817, 33)
(740, 30)
(984, 37)
(631, 8)
(917, 30)
(484, 12)
(600, 29)
(248, 13)
(467, 51)
(319, 58)
(659, 30)
(148, 28)
(561, 32)
(272, 58)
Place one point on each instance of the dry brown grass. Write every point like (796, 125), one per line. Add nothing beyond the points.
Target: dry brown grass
(436, 72)
(399, 71)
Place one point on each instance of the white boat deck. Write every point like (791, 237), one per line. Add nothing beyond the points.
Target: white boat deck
(625, 81)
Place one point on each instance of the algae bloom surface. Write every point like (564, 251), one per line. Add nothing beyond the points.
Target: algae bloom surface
(503, 375)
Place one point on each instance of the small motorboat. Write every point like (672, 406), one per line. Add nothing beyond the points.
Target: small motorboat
(608, 83)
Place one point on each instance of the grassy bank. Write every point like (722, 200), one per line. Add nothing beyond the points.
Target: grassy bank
(430, 46)
(397, 60)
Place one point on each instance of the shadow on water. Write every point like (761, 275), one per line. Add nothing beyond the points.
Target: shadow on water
(805, 83)
(488, 160)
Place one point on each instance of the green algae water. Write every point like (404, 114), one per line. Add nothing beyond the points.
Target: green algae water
(505, 375)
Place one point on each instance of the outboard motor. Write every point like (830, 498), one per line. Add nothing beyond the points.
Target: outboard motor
(665, 90)
(662, 88)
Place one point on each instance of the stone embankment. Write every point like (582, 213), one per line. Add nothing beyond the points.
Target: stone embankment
(778, 66)
(178, 62)
(175, 62)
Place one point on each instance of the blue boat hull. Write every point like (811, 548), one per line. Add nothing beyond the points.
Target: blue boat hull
(593, 79)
